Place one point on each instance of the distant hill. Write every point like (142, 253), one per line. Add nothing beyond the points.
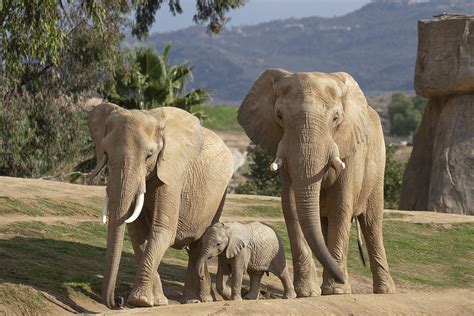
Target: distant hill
(377, 44)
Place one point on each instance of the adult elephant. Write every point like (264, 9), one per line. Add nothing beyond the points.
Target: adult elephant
(330, 150)
(167, 182)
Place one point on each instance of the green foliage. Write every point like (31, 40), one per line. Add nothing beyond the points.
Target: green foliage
(394, 171)
(219, 117)
(260, 179)
(39, 134)
(211, 12)
(147, 80)
(405, 113)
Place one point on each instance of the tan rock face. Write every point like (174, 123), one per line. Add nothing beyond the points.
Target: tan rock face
(452, 176)
(445, 62)
(440, 173)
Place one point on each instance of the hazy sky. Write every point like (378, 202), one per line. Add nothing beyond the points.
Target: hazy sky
(257, 11)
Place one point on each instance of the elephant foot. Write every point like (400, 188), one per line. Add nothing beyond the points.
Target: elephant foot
(140, 299)
(305, 284)
(336, 289)
(144, 298)
(387, 287)
(289, 295)
(207, 299)
(251, 296)
(236, 298)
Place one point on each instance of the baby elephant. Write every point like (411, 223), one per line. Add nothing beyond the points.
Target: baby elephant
(254, 248)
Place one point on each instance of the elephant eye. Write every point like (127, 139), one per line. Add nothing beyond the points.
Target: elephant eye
(150, 153)
(218, 244)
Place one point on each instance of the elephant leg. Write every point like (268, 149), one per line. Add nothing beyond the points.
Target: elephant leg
(255, 278)
(371, 226)
(195, 289)
(305, 276)
(223, 273)
(239, 266)
(142, 292)
(139, 231)
(288, 289)
(339, 225)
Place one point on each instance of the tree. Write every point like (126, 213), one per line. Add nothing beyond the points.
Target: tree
(148, 81)
(405, 114)
(36, 31)
(260, 179)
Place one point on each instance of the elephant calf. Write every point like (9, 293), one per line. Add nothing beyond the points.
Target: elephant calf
(254, 247)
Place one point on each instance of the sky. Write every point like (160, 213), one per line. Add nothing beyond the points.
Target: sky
(258, 11)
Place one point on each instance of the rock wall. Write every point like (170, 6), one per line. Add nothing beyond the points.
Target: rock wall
(440, 173)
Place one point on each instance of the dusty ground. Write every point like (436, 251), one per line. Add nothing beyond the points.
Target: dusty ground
(408, 300)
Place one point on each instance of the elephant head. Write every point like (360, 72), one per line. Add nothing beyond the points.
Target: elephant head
(310, 121)
(220, 237)
(138, 146)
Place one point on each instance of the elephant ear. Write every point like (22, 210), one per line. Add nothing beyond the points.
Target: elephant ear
(182, 142)
(256, 115)
(97, 128)
(354, 127)
(239, 237)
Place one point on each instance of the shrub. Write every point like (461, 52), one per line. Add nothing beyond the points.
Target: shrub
(40, 134)
(394, 170)
(260, 180)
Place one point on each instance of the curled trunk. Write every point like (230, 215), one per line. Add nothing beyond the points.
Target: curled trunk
(307, 160)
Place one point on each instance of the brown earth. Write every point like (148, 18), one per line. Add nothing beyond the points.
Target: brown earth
(408, 300)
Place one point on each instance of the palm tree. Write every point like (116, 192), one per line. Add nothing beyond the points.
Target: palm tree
(149, 81)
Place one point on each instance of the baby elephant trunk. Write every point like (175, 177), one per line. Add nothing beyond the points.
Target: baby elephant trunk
(201, 262)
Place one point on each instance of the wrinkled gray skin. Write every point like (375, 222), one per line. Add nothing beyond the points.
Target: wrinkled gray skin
(331, 148)
(181, 169)
(252, 247)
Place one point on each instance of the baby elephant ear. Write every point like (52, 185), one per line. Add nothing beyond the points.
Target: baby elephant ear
(239, 237)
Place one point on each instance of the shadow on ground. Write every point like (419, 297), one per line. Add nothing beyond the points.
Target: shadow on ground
(60, 268)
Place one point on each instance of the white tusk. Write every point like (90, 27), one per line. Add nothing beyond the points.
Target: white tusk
(138, 208)
(338, 164)
(104, 209)
(276, 164)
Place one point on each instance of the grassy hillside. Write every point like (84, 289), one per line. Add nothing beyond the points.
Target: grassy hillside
(64, 258)
(219, 117)
(377, 44)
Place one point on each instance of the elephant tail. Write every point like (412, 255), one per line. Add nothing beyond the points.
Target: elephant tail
(359, 243)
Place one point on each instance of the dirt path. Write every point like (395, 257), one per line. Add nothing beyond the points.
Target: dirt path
(448, 302)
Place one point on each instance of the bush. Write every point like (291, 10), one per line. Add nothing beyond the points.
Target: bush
(260, 180)
(405, 113)
(40, 134)
(394, 170)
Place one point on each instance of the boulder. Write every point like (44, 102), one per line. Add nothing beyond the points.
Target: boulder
(440, 173)
(452, 174)
(445, 60)
(416, 180)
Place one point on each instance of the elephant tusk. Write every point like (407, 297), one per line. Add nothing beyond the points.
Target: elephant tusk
(104, 209)
(138, 209)
(338, 164)
(276, 164)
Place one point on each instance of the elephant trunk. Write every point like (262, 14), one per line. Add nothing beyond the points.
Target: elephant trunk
(201, 262)
(308, 160)
(122, 190)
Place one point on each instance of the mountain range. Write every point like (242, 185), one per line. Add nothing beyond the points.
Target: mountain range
(377, 44)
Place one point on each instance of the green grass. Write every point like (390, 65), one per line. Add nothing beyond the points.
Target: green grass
(220, 117)
(423, 254)
(395, 215)
(260, 211)
(91, 206)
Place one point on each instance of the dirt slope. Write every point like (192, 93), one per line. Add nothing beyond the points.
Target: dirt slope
(408, 300)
